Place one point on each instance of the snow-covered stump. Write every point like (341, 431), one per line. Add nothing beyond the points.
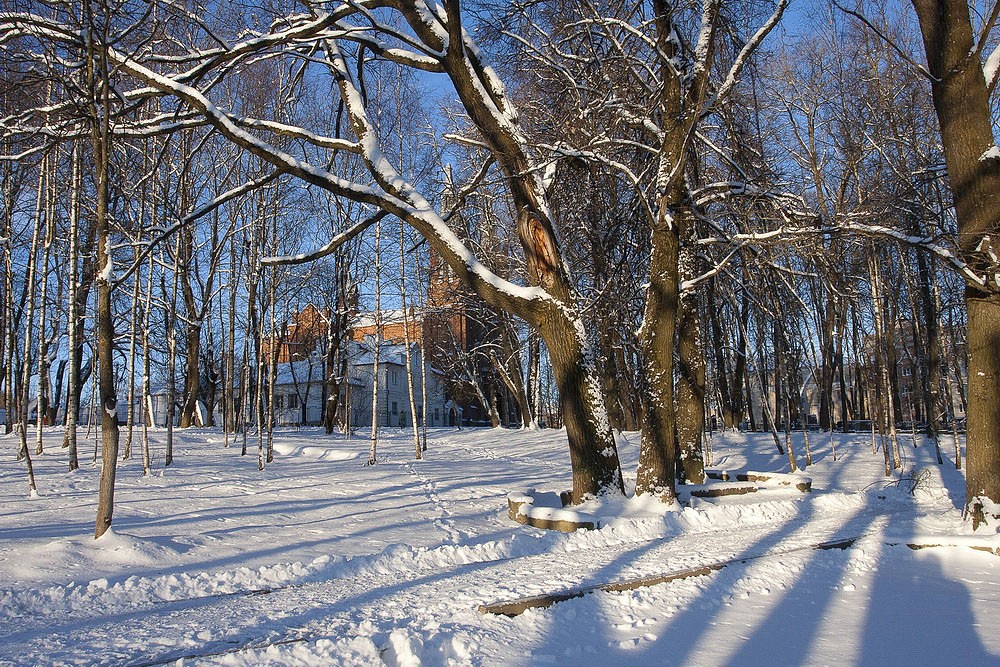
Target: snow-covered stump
(546, 510)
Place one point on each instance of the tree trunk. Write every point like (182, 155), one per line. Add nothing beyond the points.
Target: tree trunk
(230, 386)
(147, 413)
(373, 442)
(592, 450)
(962, 103)
(690, 391)
(29, 314)
(841, 331)
(932, 377)
(132, 339)
(534, 376)
(170, 319)
(43, 388)
(827, 361)
(192, 376)
(510, 369)
(730, 420)
(7, 307)
(406, 341)
(108, 403)
(658, 442)
(74, 320)
(741, 399)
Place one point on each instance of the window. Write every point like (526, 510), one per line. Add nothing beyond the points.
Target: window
(293, 401)
(395, 378)
(395, 407)
(907, 371)
(435, 416)
(279, 401)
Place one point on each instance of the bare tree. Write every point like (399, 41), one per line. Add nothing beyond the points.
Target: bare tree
(97, 22)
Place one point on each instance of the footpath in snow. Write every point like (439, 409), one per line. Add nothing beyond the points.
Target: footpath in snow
(321, 560)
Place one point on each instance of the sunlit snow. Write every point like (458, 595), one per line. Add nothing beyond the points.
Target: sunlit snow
(321, 560)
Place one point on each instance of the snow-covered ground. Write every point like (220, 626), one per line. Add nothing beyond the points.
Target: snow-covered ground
(321, 560)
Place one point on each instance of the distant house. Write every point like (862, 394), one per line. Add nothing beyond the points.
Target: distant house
(299, 390)
(393, 396)
(450, 332)
(309, 344)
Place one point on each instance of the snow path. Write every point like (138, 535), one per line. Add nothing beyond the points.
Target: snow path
(444, 521)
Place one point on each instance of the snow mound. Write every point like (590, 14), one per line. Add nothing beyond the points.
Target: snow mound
(292, 449)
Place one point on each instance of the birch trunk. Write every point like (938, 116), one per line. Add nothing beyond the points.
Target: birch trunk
(373, 443)
(73, 321)
(24, 384)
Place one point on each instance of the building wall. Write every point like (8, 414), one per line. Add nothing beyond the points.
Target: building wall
(392, 331)
(393, 395)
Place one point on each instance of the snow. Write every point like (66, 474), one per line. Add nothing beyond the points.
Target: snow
(991, 153)
(107, 272)
(991, 67)
(321, 560)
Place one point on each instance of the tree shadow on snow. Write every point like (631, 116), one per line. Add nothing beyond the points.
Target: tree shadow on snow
(681, 632)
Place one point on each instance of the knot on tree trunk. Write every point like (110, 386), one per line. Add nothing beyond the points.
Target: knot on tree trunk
(540, 244)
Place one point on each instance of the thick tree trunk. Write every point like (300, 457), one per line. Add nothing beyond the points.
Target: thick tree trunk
(593, 454)
(192, 376)
(983, 422)
(658, 443)
(690, 391)
(108, 398)
(963, 109)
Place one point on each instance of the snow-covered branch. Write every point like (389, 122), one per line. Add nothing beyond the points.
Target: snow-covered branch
(950, 257)
(732, 77)
(331, 246)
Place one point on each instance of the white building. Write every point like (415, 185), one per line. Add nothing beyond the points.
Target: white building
(298, 390)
